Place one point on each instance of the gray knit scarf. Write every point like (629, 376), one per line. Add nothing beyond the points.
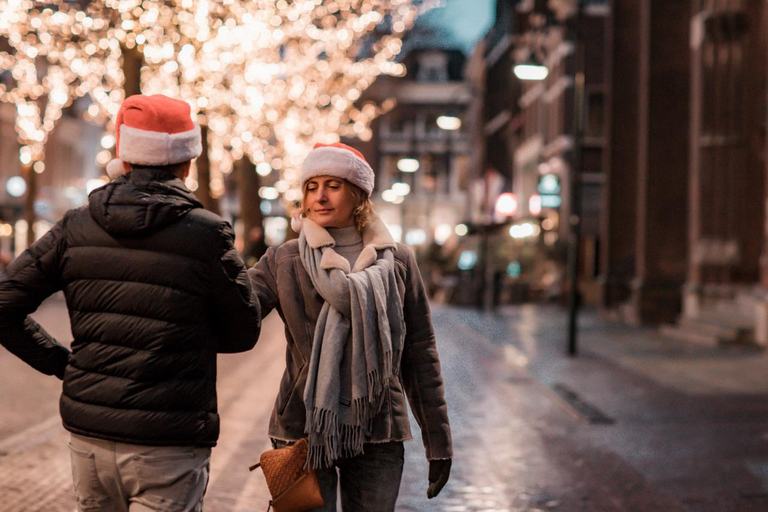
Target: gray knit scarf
(358, 342)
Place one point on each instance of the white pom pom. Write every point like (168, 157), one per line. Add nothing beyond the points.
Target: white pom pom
(297, 223)
(115, 168)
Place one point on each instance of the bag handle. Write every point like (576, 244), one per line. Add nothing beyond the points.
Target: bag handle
(251, 468)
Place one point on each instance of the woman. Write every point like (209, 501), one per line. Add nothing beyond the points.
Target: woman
(359, 334)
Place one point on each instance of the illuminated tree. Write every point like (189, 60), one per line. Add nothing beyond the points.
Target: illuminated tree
(48, 58)
(267, 78)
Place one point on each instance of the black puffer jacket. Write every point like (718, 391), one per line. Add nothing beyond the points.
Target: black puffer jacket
(155, 289)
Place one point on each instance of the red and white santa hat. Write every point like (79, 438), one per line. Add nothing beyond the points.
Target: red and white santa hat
(340, 161)
(154, 130)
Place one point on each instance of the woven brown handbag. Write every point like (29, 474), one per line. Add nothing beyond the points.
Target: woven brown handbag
(293, 488)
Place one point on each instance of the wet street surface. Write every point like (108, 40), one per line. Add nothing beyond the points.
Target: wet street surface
(634, 424)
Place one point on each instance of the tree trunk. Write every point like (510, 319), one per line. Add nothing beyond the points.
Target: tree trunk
(132, 61)
(248, 183)
(30, 176)
(203, 192)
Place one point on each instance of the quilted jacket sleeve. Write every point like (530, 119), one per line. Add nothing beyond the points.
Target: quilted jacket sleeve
(422, 379)
(262, 276)
(235, 310)
(27, 282)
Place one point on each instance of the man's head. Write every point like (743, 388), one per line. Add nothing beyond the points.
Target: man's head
(155, 131)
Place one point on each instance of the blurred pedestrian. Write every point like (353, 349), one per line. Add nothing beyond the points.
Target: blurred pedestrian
(360, 339)
(155, 289)
(256, 246)
(5, 259)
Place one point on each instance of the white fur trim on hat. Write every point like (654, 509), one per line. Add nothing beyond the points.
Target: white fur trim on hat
(340, 163)
(158, 148)
(115, 168)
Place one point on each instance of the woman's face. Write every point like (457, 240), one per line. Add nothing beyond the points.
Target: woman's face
(328, 202)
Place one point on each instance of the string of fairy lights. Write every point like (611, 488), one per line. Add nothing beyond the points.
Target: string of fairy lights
(50, 58)
(269, 78)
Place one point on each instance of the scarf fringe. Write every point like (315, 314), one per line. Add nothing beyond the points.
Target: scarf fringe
(330, 439)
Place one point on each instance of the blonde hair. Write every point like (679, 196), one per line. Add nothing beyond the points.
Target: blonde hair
(363, 212)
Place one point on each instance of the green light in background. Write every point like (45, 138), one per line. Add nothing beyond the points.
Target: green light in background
(514, 269)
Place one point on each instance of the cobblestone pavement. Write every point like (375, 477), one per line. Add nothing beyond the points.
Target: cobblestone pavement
(518, 445)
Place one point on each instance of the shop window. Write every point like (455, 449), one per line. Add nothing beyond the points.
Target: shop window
(399, 123)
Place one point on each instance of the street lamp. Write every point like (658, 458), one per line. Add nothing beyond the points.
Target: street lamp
(401, 189)
(408, 165)
(531, 69)
(16, 186)
(389, 195)
(449, 123)
(574, 220)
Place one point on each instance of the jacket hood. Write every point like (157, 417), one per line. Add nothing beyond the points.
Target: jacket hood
(141, 201)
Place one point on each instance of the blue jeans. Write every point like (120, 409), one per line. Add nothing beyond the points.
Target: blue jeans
(369, 482)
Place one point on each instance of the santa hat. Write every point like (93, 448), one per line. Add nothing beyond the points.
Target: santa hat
(340, 161)
(154, 130)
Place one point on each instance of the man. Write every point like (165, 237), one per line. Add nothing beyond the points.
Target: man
(155, 289)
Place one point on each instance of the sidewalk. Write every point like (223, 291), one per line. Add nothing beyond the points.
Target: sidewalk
(692, 420)
(633, 424)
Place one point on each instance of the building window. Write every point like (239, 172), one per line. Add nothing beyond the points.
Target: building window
(433, 67)
(396, 122)
(432, 129)
(435, 178)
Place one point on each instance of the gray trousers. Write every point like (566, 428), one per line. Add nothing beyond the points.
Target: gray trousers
(120, 477)
(369, 482)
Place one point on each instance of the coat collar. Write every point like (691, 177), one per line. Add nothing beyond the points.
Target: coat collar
(375, 234)
(376, 237)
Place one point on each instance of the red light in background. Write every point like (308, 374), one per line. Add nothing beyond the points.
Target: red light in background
(534, 204)
(506, 204)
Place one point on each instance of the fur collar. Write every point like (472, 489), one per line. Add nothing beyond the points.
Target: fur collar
(376, 237)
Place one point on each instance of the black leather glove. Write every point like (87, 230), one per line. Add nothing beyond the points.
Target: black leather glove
(439, 471)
